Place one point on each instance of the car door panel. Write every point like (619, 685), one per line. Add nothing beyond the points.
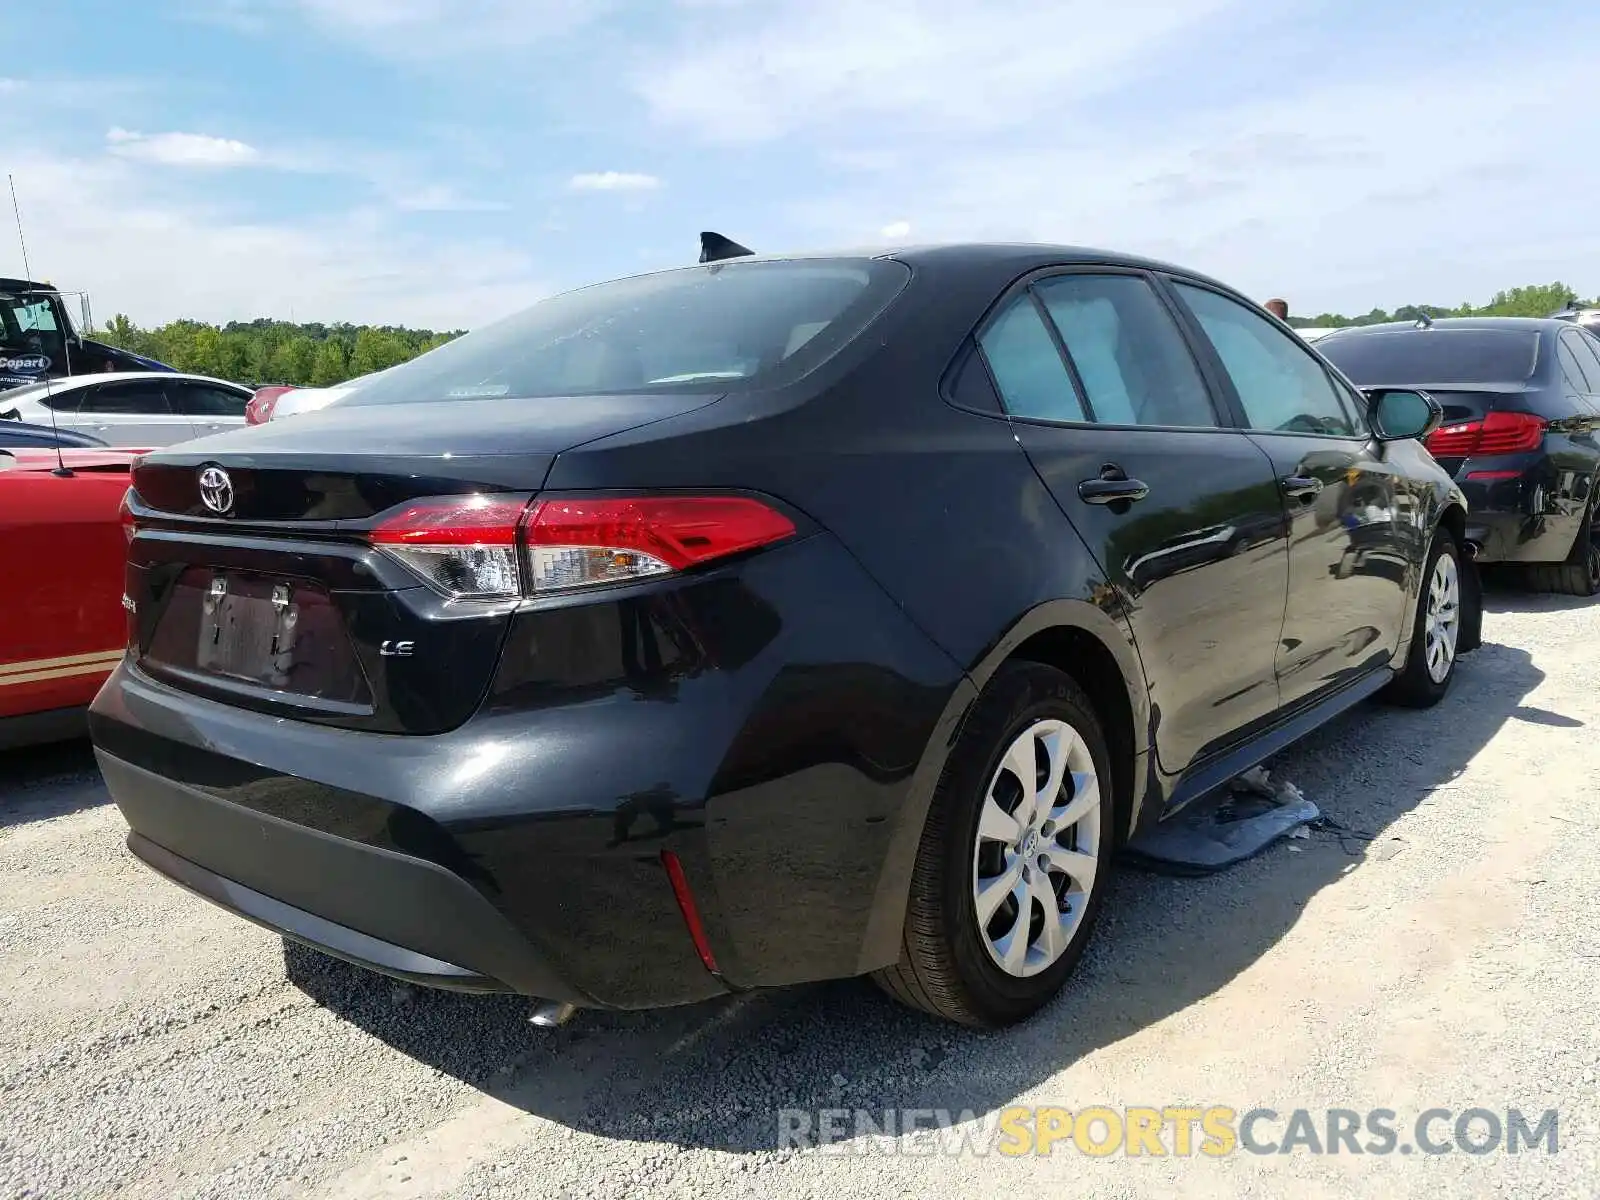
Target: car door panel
(1184, 520)
(1200, 560)
(1352, 540)
(142, 430)
(1350, 560)
(66, 629)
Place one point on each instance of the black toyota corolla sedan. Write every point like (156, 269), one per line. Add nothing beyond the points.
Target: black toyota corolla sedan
(768, 620)
(1521, 401)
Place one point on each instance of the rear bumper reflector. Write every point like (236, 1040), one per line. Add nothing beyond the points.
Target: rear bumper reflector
(691, 914)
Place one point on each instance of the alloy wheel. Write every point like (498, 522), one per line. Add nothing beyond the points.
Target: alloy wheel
(1038, 848)
(1444, 617)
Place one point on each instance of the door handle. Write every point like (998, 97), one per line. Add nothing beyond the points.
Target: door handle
(1301, 487)
(1112, 485)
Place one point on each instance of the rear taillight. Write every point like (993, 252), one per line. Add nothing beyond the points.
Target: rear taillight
(1510, 433)
(130, 609)
(492, 547)
(1453, 441)
(258, 410)
(1497, 433)
(125, 516)
(578, 543)
(465, 546)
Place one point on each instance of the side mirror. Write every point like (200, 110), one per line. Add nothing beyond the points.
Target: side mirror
(1400, 413)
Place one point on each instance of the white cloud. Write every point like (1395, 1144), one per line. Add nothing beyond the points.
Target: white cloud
(110, 231)
(438, 197)
(950, 65)
(613, 181)
(1330, 195)
(1331, 168)
(182, 149)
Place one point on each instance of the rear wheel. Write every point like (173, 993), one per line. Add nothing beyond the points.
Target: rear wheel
(1580, 574)
(1435, 637)
(1014, 858)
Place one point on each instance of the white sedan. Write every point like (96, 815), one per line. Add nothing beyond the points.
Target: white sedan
(131, 408)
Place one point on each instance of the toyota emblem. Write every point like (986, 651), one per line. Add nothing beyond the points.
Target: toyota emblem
(216, 490)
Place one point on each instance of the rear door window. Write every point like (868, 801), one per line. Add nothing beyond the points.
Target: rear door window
(137, 398)
(1129, 355)
(1027, 367)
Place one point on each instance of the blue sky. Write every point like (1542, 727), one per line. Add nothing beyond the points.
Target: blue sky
(443, 162)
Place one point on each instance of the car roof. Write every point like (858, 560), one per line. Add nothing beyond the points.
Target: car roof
(1023, 256)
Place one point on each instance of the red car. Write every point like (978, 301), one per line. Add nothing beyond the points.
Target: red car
(62, 625)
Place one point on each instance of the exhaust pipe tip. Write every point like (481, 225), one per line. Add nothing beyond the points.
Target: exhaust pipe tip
(551, 1014)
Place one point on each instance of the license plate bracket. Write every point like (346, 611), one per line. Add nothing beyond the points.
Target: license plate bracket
(248, 629)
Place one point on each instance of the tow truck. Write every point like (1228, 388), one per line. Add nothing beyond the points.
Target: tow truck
(39, 341)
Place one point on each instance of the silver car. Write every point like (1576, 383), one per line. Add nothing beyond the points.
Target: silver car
(145, 409)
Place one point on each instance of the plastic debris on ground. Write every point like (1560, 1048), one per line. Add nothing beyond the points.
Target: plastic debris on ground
(1232, 824)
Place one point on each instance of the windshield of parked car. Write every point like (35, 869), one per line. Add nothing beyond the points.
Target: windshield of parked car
(722, 327)
(1424, 356)
(28, 329)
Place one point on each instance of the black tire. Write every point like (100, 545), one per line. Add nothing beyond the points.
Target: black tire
(1580, 574)
(1414, 687)
(945, 967)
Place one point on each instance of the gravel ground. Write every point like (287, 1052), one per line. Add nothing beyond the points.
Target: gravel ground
(1439, 951)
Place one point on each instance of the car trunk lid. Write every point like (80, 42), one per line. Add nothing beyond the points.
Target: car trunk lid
(253, 577)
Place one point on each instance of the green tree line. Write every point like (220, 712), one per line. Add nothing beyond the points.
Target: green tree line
(263, 351)
(1537, 300)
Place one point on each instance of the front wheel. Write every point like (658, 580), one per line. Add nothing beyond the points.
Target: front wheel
(1435, 637)
(1014, 857)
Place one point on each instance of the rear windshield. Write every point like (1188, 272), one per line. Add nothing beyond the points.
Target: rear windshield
(1425, 356)
(717, 328)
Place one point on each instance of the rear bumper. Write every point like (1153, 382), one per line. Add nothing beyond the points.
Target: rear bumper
(779, 730)
(386, 911)
(1530, 518)
(309, 929)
